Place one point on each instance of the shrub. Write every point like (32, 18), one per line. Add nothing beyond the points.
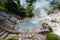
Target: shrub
(56, 6)
(50, 29)
(52, 36)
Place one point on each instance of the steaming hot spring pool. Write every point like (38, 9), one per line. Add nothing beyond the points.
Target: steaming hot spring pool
(27, 25)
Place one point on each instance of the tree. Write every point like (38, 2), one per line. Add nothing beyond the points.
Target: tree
(28, 11)
(29, 8)
(30, 2)
(2, 2)
(18, 1)
(11, 6)
(54, 2)
(16, 8)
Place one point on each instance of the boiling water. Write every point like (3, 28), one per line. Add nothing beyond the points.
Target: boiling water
(28, 25)
(33, 23)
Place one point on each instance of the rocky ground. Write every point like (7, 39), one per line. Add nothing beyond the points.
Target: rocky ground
(10, 23)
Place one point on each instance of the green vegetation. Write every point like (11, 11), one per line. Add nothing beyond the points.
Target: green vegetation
(30, 2)
(52, 36)
(14, 6)
(50, 29)
(13, 38)
(3, 9)
(56, 6)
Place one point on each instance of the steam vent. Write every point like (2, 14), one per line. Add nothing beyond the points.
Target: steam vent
(13, 27)
(29, 19)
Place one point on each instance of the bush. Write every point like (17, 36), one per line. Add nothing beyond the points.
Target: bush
(52, 36)
(50, 29)
(56, 6)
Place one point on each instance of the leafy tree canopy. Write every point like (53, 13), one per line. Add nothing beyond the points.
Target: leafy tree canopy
(14, 6)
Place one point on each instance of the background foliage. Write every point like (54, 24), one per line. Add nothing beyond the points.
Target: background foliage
(14, 6)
